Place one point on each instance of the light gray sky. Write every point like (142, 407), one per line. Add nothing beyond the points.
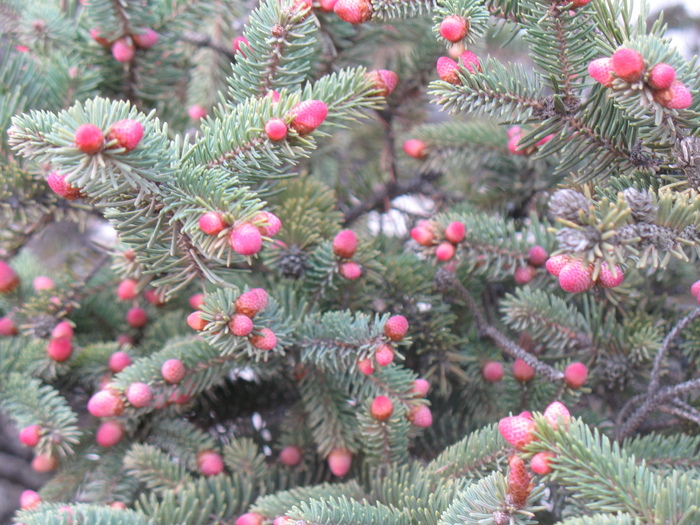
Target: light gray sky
(693, 6)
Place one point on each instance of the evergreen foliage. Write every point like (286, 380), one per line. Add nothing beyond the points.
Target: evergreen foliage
(203, 366)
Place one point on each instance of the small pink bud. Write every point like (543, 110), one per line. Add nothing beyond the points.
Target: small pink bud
(415, 148)
(454, 28)
(197, 112)
(148, 38)
(245, 239)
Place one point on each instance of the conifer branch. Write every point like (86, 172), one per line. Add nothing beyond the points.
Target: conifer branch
(661, 354)
(682, 409)
(446, 281)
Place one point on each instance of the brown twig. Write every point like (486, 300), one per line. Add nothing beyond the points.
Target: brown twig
(449, 281)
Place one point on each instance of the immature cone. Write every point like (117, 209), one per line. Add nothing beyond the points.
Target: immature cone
(271, 223)
(126, 291)
(455, 232)
(575, 375)
(470, 61)
(196, 322)
(350, 270)
(122, 51)
(127, 132)
(30, 435)
(136, 317)
(62, 329)
(365, 366)
(148, 38)
(153, 297)
(240, 325)
(522, 371)
(422, 236)
(105, 403)
(60, 349)
(384, 355)
(237, 44)
(574, 279)
(353, 11)
(695, 288)
(308, 115)
(173, 371)
(454, 28)
(139, 395)
(381, 408)
(44, 463)
(384, 81)
(557, 413)
(662, 76)
(445, 251)
(196, 301)
(109, 433)
(396, 327)
(492, 371)
(249, 303)
(276, 129)
(29, 499)
(250, 518)
(628, 64)
(267, 340)
(524, 274)
(89, 138)
(291, 456)
(600, 70)
(42, 282)
(447, 71)
(517, 430)
(7, 327)
(421, 387)
(420, 416)
(212, 223)
(339, 460)
(8, 278)
(681, 98)
(345, 244)
(197, 112)
(610, 279)
(519, 482)
(118, 361)
(415, 148)
(95, 35)
(554, 265)
(540, 463)
(60, 187)
(245, 239)
(537, 256)
(210, 463)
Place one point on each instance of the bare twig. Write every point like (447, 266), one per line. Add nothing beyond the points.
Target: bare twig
(682, 409)
(448, 281)
(655, 396)
(661, 354)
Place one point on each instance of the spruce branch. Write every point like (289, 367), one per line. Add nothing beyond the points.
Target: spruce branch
(446, 280)
(660, 358)
(682, 409)
(655, 395)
